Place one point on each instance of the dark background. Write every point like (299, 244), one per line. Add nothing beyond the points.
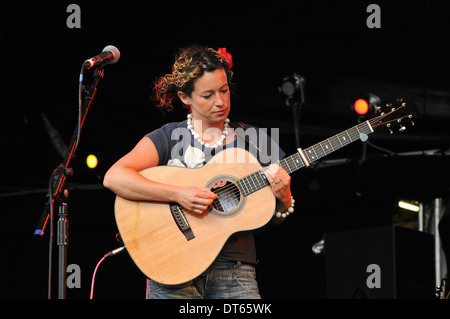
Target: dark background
(326, 42)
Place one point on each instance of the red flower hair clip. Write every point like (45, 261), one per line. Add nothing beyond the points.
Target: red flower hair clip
(226, 56)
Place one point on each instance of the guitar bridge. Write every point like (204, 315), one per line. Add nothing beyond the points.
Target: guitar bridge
(181, 221)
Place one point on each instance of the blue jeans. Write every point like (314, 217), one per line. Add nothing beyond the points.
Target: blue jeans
(222, 280)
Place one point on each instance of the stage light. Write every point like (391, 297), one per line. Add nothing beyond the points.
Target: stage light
(361, 106)
(366, 104)
(412, 206)
(293, 88)
(91, 161)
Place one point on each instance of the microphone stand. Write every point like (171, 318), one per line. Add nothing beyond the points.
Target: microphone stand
(296, 102)
(58, 193)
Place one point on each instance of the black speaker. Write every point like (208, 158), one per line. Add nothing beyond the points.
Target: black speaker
(386, 262)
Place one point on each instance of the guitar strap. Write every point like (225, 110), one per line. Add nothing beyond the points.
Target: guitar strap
(263, 159)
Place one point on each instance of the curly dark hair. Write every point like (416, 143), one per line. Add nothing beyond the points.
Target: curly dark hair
(190, 63)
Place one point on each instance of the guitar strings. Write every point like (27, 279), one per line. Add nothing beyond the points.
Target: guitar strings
(257, 178)
(287, 163)
(254, 177)
(232, 190)
(252, 181)
(377, 118)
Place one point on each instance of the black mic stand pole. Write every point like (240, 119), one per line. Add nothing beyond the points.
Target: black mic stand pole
(296, 102)
(59, 193)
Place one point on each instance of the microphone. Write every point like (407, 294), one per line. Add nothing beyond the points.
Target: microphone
(109, 55)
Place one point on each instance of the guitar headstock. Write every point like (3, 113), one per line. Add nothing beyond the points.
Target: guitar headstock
(396, 116)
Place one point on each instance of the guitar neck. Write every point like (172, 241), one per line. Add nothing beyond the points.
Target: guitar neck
(328, 146)
(303, 158)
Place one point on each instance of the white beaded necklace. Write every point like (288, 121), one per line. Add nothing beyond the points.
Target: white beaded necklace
(197, 137)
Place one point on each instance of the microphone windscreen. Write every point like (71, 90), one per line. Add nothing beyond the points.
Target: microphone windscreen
(115, 52)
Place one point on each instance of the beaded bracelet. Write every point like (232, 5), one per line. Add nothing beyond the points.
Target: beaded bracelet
(290, 210)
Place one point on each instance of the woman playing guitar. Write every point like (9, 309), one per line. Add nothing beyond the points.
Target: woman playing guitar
(200, 80)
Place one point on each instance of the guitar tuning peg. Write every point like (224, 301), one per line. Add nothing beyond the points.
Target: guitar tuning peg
(378, 109)
(410, 117)
(389, 127)
(402, 127)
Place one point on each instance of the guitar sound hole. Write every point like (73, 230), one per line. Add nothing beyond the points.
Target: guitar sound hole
(228, 197)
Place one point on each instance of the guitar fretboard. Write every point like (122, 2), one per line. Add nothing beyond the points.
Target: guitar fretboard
(257, 180)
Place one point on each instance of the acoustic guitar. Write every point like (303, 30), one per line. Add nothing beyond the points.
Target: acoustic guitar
(171, 245)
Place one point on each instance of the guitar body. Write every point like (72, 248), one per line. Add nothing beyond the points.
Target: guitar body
(155, 242)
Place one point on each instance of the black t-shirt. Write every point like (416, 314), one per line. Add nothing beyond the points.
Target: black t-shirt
(177, 147)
